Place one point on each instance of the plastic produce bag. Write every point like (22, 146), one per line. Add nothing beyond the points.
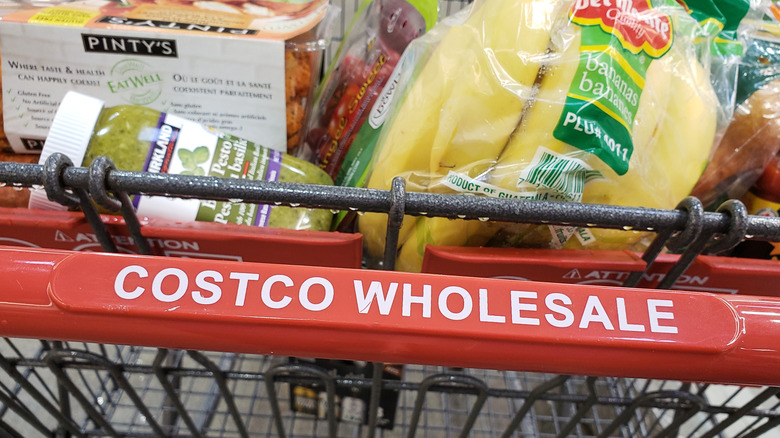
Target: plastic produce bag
(752, 138)
(356, 91)
(588, 101)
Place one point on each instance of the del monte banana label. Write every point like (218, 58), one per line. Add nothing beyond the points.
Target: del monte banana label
(619, 39)
(634, 23)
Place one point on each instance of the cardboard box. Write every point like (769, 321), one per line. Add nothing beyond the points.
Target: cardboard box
(240, 67)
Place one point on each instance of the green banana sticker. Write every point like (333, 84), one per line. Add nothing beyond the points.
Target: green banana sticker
(619, 41)
(600, 108)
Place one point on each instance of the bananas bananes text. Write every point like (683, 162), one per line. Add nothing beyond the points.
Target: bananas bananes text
(504, 106)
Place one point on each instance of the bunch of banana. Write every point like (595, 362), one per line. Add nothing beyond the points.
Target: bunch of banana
(673, 133)
(474, 124)
(445, 122)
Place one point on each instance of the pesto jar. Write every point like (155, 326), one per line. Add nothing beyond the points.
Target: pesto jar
(138, 138)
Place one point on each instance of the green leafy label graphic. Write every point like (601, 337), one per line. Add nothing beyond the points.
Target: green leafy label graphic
(557, 176)
(136, 81)
(191, 160)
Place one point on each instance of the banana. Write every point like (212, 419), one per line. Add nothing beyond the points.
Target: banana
(441, 232)
(501, 65)
(681, 140)
(672, 132)
(666, 170)
(677, 97)
(536, 128)
(459, 112)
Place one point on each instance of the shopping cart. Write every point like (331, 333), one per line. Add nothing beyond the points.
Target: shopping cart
(93, 349)
(150, 368)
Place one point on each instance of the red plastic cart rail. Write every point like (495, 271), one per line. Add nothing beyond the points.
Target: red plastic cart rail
(719, 274)
(389, 316)
(71, 231)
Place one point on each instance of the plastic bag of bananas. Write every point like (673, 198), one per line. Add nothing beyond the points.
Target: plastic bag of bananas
(598, 101)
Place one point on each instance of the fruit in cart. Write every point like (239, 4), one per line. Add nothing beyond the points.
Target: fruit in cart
(750, 140)
(675, 145)
(676, 97)
(444, 232)
(487, 130)
(504, 173)
(441, 124)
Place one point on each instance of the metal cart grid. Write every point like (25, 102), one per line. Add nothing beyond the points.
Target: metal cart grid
(444, 413)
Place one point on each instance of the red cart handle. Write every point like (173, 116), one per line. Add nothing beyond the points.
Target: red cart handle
(389, 316)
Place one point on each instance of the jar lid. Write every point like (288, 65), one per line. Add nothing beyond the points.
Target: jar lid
(69, 134)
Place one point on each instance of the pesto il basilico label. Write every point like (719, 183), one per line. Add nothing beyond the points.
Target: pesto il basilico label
(180, 146)
(620, 38)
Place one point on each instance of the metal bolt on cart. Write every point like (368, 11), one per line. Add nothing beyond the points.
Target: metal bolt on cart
(98, 342)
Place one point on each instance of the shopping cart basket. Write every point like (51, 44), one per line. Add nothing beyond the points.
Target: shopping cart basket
(133, 358)
(94, 348)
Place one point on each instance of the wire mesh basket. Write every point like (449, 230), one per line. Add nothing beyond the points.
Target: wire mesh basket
(110, 389)
(76, 389)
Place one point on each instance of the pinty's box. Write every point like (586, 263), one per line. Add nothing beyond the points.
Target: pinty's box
(246, 67)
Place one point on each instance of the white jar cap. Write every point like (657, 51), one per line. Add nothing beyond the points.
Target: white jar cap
(69, 134)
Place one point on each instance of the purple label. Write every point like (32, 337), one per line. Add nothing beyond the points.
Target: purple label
(160, 122)
(274, 166)
(263, 213)
(271, 174)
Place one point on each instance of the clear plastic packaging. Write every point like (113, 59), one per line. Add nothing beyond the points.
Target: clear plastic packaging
(359, 86)
(303, 59)
(608, 103)
(752, 138)
(357, 89)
